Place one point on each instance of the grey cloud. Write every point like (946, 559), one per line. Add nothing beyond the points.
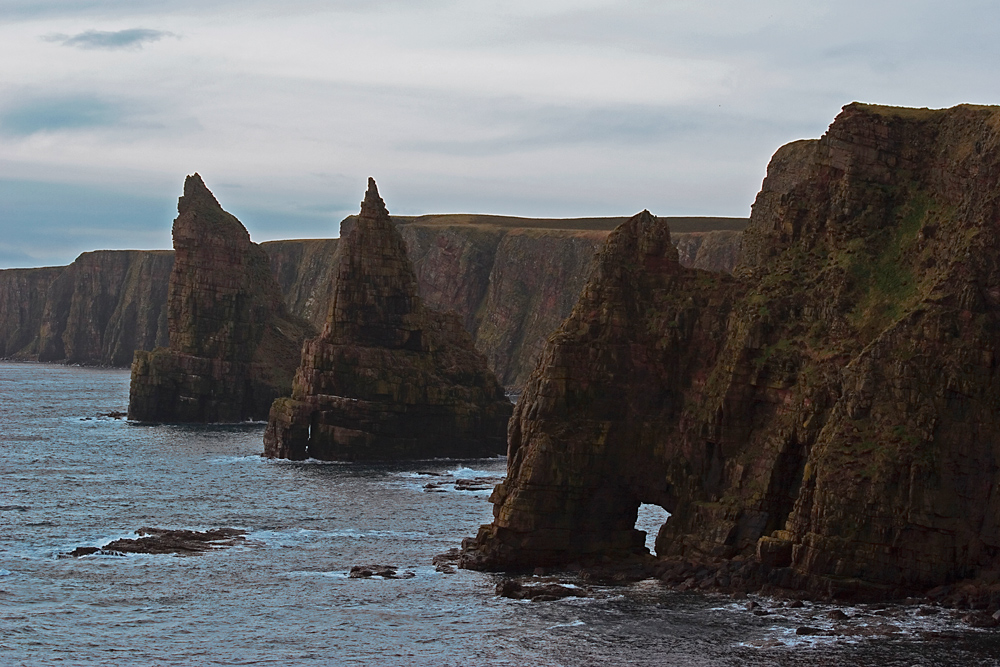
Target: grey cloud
(132, 38)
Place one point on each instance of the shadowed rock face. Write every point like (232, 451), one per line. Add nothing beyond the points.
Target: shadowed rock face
(232, 344)
(830, 410)
(388, 377)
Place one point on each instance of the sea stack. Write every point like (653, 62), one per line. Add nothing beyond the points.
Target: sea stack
(233, 345)
(829, 414)
(389, 377)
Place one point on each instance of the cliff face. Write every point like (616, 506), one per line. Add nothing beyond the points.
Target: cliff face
(511, 281)
(305, 270)
(829, 411)
(22, 302)
(389, 377)
(104, 306)
(232, 342)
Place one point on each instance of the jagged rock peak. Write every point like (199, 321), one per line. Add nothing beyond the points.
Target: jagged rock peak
(376, 294)
(373, 207)
(196, 195)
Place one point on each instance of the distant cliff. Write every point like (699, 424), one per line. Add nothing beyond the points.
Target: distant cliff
(511, 281)
(97, 310)
(826, 417)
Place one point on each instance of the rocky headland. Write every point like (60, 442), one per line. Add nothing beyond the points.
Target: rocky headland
(233, 344)
(822, 421)
(389, 377)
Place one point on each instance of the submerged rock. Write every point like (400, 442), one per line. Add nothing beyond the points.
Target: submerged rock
(389, 377)
(383, 571)
(165, 541)
(233, 345)
(837, 396)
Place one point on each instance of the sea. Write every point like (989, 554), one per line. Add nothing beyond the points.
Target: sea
(71, 476)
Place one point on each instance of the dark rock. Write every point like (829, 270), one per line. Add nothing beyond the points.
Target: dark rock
(837, 615)
(383, 571)
(805, 630)
(538, 592)
(388, 378)
(79, 552)
(166, 541)
(825, 396)
(980, 619)
(928, 611)
(233, 345)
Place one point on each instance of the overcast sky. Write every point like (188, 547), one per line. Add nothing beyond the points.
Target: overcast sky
(536, 108)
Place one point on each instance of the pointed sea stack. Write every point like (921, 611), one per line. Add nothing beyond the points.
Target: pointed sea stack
(389, 378)
(232, 342)
(826, 418)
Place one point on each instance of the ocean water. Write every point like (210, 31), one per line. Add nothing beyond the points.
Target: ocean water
(70, 478)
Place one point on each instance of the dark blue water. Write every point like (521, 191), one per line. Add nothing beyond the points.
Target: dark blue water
(284, 598)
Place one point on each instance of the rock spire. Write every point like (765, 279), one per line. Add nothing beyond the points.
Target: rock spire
(232, 342)
(389, 377)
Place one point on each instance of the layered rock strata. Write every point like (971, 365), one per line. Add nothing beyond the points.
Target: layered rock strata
(233, 345)
(389, 377)
(828, 413)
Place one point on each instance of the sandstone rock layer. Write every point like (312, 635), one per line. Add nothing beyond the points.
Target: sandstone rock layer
(233, 344)
(830, 411)
(389, 377)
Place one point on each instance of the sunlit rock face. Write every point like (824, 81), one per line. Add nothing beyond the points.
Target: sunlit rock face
(233, 345)
(830, 409)
(389, 377)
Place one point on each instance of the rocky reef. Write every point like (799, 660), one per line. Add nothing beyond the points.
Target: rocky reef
(389, 377)
(825, 418)
(233, 345)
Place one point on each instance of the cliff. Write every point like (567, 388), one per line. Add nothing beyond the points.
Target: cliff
(389, 377)
(104, 306)
(475, 265)
(232, 342)
(828, 414)
(22, 302)
(107, 304)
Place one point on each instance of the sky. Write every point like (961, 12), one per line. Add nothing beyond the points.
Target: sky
(547, 108)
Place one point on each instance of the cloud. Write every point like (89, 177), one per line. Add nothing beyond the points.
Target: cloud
(61, 113)
(133, 38)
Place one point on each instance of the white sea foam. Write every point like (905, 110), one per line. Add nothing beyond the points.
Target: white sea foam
(470, 473)
(249, 458)
(573, 624)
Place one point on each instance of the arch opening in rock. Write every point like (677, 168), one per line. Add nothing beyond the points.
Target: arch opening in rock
(650, 519)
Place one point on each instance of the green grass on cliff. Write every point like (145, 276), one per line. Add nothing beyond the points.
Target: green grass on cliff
(884, 280)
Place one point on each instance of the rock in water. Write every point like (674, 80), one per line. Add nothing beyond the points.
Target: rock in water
(831, 408)
(389, 377)
(233, 345)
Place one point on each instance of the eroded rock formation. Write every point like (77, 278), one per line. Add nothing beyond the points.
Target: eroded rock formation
(830, 411)
(233, 345)
(389, 377)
